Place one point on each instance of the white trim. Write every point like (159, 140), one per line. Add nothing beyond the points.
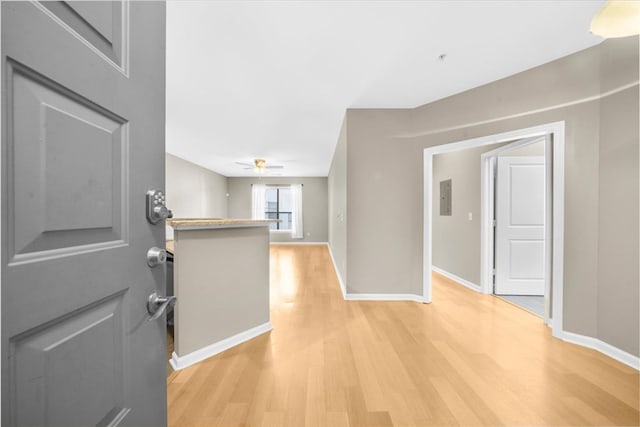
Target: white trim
(384, 297)
(601, 346)
(370, 297)
(487, 176)
(427, 226)
(181, 362)
(343, 286)
(487, 171)
(548, 229)
(2, 362)
(457, 279)
(557, 268)
(557, 130)
(298, 243)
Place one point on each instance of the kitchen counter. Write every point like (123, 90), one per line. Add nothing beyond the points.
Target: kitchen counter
(203, 223)
(221, 281)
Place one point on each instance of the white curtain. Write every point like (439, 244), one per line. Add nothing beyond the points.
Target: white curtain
(258, 192)
(296, 202)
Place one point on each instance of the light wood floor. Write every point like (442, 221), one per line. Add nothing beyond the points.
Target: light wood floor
(465, 359)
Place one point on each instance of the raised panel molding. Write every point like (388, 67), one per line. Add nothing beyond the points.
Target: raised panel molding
(527, 207)
(91, 182)
(59, 205)
(99, 15)
(101, 25)
(526, 259)
(48, 364)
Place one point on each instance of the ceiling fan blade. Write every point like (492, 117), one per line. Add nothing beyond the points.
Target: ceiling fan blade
(274, 167)
(244, 164)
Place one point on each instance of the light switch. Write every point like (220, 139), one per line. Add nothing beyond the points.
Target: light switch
(470, 216)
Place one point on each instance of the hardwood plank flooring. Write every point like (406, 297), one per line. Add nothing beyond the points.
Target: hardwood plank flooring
(465, 359)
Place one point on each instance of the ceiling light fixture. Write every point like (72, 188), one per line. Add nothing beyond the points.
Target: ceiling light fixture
(260, 165)
(617, 18)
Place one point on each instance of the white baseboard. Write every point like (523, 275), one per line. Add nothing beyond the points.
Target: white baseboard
(457, 279)
(384, 297)
(298, 243)
(181, 362)
(601, 346)
(370, 297)
(343, 287)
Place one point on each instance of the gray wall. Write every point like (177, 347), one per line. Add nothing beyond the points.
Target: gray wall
(314, 205)
(222, 282)
(193, 191)
(536, 149)
(618, 254)
(385, 181)
(456, 240)
(338, 204)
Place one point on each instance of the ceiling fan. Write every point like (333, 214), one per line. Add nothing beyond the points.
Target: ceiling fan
(260, 165)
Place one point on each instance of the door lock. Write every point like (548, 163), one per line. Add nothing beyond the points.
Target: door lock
(156, 207)
(156, 305)
(156, 256)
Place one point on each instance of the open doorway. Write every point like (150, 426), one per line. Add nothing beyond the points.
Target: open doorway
(519, 201)
(553, 134)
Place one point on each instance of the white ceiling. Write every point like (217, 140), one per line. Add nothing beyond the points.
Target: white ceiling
(272, 79)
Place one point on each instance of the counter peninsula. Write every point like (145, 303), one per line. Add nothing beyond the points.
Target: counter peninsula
(221, 281)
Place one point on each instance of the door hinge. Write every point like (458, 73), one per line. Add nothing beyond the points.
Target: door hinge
(493, 272)
(495, 222)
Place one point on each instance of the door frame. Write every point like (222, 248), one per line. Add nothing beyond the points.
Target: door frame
(487, 215)
(2, 75)
(555, 157)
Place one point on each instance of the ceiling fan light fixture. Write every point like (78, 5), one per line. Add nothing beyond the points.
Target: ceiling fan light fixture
(617, 18)
(260, 165)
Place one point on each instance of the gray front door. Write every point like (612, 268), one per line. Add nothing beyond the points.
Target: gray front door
(82, 141)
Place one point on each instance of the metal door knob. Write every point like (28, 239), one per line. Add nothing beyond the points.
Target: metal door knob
(161, 212)
(156, 305)
(156, 256)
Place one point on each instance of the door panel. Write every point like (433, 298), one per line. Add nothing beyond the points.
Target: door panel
(52, 362)
(101, 24)
(57, 201)
(520, 212)
(82, 142)
(527, 261)
(526, 193)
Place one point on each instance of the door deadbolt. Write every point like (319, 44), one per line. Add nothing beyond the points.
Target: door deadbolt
(156, 207)
(156, 256)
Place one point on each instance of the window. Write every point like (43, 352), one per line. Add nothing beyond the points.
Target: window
(281, 202)
(278, 206)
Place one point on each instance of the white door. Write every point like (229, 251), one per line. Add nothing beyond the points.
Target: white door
(82, 142)
(520, 232)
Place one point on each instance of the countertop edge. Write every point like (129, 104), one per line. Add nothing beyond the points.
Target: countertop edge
(203, 224)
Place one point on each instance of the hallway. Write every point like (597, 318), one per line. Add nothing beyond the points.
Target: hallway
(465, 359)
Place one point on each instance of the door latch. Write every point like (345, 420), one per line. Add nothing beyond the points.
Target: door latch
(156, 207)
(156, 305)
